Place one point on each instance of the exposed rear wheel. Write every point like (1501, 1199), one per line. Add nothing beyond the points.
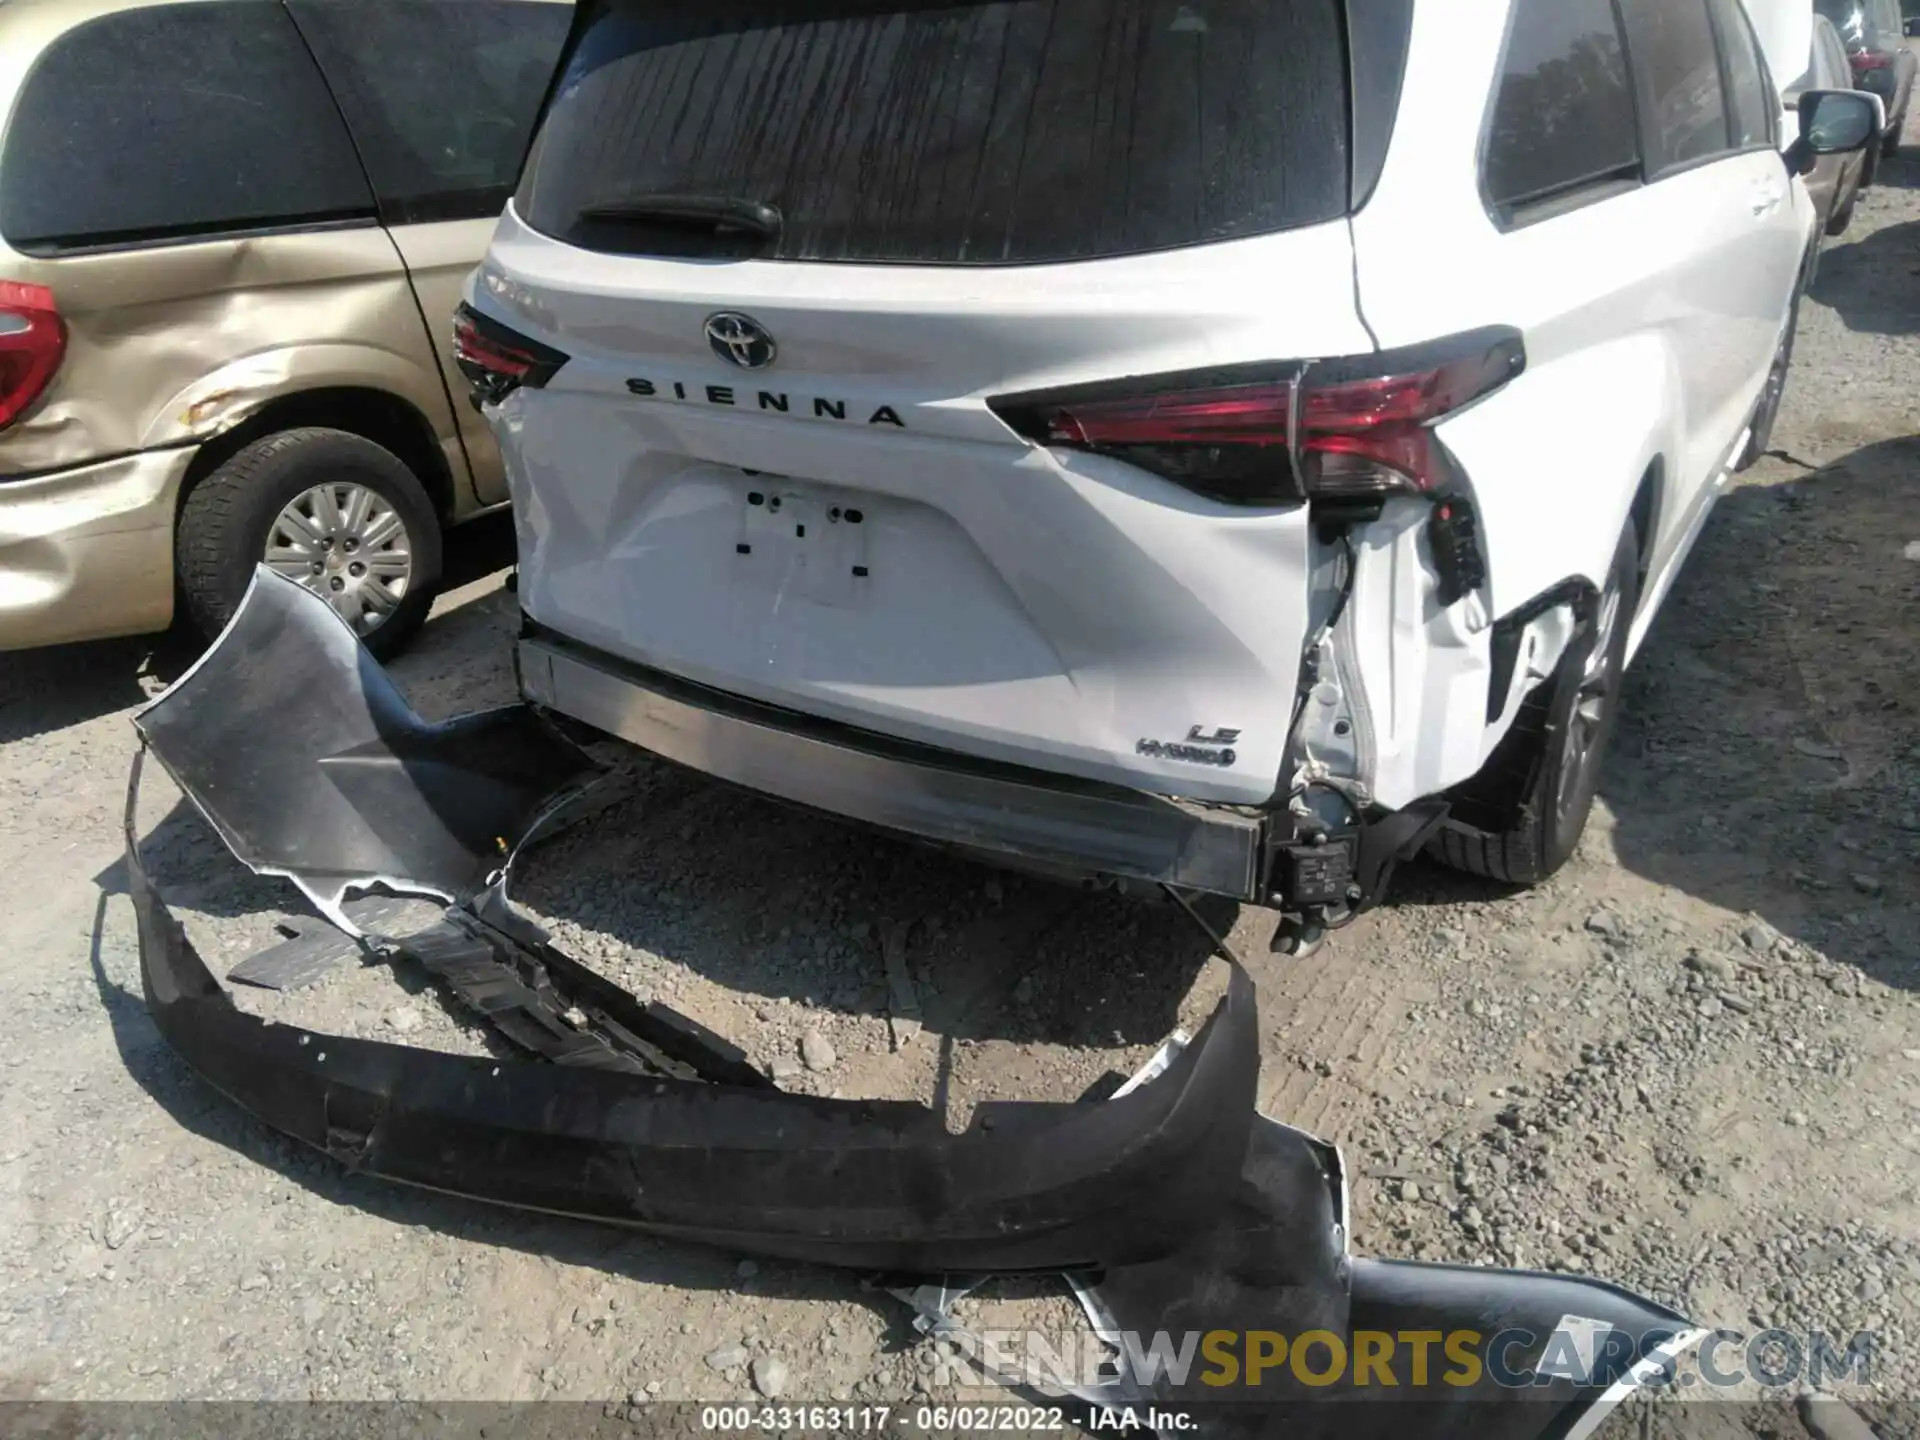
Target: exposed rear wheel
(343, 516)
(1537, 790)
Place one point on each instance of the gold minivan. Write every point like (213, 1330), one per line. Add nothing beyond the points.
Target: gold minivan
(232, 237)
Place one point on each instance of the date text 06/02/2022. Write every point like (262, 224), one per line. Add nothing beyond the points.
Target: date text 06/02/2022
(937, 1419)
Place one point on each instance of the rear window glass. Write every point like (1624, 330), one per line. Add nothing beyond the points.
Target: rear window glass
(174, 121)
(897, 131)
(440, 94)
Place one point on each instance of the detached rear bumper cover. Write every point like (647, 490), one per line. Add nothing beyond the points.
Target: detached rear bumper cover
(282, 709)
(861, 1183)
(1198, 1214)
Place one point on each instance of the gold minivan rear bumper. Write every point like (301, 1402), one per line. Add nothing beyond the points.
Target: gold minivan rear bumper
(88, 553)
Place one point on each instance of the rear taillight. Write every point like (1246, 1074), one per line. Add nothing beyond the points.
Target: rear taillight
(33, 341)
(1865, 60)
(1283, 432)
(497, 360)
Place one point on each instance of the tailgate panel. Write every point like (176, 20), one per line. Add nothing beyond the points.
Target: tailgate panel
(1021, 604)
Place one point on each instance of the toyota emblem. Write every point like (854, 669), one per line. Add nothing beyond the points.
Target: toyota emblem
(740, 340)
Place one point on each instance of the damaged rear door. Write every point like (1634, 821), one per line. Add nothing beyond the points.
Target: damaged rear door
(795, 254)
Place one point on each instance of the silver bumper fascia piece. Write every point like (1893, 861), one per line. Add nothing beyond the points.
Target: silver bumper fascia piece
(935, 795)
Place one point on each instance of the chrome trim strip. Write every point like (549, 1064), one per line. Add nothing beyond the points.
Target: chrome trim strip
(934, 795)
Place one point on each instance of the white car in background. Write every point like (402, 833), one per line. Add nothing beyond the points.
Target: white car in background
(1222, 444)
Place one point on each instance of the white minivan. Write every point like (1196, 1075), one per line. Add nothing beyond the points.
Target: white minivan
(1219, 443)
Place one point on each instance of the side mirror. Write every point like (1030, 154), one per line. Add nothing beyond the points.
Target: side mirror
(1835, 122)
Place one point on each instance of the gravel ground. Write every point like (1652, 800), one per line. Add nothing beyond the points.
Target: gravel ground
(1690, 1064)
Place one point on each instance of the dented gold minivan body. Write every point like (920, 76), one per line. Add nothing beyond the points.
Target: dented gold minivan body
(180, 345)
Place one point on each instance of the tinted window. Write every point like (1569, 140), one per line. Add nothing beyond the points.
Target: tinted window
(175, 121)
(440, 93)
(1683, 111)
(1563, 115)
(1752, 109)
(969, 133)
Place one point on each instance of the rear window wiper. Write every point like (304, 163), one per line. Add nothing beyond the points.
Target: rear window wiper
(723, 214)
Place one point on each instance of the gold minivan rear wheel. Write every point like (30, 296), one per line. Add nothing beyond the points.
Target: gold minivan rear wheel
(343, 516)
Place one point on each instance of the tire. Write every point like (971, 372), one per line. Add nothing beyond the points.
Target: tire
(228, 519)
(1542, 778)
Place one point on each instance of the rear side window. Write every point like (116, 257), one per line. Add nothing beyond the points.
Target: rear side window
(170, 122)
(961, 133)
(1751, 111)
(440, 94)
(1563, 113)
(1683, 109)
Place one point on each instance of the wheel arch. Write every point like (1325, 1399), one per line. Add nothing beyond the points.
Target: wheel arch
(1645, 512)
(385, 419)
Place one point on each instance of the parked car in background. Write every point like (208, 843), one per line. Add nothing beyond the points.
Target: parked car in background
(1105, 478)
(232, 233)
(1874, 35)
(1835, 181)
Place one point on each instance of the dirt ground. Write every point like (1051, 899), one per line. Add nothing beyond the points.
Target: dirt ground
(1690, 1064)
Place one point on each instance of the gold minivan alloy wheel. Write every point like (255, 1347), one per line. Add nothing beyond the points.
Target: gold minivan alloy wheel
(347, 544)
